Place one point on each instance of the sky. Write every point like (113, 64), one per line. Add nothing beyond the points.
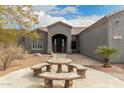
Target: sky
(75, 15)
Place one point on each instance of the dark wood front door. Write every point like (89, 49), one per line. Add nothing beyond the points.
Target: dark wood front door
(59, 44)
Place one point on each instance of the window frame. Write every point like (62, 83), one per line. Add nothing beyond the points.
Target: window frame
(38, 42)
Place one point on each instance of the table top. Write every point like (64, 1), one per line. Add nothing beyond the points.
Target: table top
(59, 61)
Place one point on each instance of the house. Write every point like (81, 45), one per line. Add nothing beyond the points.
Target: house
(63, 38)
(58, 37)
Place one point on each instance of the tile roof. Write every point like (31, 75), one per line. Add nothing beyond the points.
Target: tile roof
(77, 30)
(43, 29)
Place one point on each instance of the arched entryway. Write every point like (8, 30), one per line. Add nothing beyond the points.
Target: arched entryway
(59, 43)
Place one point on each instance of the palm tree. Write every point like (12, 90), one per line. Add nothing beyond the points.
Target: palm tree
(106, 52)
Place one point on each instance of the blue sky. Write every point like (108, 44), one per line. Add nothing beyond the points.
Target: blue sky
(88, 10)
(98, 10)
(75, 15)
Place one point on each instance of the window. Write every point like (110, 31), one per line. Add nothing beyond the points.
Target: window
(73, 45)
(54, 42)
(63, 43)
(37, 45)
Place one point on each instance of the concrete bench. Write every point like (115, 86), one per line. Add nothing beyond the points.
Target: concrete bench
(81, 70)
(49, 77)
(37, 69)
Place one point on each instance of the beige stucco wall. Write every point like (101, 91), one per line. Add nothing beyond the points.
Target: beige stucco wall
(59, 28)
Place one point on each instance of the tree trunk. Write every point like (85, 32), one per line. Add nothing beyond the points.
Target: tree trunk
(4, 67)
(107, 63)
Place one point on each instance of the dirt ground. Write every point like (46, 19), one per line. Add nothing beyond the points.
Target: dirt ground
(30, 60)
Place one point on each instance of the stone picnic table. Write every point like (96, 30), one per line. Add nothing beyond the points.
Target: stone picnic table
(59, 62)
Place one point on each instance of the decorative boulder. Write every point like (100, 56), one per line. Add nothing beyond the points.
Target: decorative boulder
(37, 54)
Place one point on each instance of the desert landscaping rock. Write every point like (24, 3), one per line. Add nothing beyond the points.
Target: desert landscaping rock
(37, 54)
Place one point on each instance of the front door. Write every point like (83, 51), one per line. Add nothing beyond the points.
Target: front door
(59, 45)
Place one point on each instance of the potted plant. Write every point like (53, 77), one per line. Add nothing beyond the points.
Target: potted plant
(106, 52)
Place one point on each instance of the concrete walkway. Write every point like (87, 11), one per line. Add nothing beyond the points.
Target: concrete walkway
(94, 79)
(83, 60)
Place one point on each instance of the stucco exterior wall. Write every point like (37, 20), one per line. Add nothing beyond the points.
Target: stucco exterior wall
(116, 28)
(28, 43)
(59, 28)
(92, 37)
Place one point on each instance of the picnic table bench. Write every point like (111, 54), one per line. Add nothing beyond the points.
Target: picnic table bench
(68, 77)
(37, 69)
(81, 70)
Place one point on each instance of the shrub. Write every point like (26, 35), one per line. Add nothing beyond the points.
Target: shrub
(106, 52)
(7, 55)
